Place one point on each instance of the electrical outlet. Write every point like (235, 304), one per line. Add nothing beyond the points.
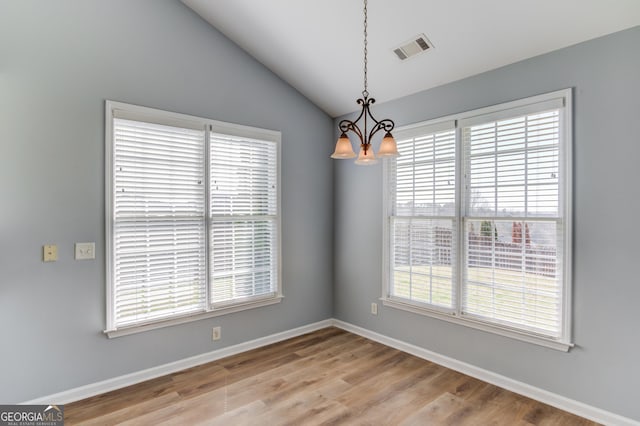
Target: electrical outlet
(216, 333)
(374, 308)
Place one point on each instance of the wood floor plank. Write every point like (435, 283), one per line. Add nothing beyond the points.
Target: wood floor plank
(133, 411)
(201, 381)
(109, 402)
(383, 385)
(192, 411)
(241, 416)
(297, 406)
(328, 377)
(435, 411)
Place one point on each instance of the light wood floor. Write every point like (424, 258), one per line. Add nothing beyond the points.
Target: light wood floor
(328, 377)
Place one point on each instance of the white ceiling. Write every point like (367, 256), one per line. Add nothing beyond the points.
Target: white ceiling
(316, 46)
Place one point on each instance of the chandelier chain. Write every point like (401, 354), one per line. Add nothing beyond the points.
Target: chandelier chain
(388, 146)
(365, 92)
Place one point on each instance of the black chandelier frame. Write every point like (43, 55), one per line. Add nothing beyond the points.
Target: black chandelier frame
(352, 126)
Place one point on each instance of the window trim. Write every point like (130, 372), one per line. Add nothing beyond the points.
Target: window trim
(566, 201)
(207, 125)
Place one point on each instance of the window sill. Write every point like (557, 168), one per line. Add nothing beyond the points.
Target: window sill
(478, 325)
(125, 331)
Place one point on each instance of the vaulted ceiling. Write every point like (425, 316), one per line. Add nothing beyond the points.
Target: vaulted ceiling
(317, 46)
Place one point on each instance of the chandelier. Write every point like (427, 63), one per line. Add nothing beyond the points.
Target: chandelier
(388, 147)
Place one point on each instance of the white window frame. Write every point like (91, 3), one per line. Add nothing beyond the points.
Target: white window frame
(564, 343)
(176, 119)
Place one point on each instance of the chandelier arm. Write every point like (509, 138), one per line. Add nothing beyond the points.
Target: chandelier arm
(366, 107)
(386, 125)
(351, 126)
(364, 102)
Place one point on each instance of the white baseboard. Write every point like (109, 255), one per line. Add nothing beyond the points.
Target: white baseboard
(555, 400)
(108, 385)
(570, 405)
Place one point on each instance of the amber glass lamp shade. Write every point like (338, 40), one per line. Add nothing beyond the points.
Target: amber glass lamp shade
(343, 148)
(366, 157)
(388, 147)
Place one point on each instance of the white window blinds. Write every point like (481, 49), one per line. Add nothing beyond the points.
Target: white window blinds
(423, 217)
(513, 222)
(243, 218)
(193, 217)
(478, 219)
(158, 218)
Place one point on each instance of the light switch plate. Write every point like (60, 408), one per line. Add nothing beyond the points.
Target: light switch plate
(85, 251)
(50, 253)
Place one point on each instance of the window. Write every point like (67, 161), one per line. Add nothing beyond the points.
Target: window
(478, 211)
(423, 222)
(193, 218)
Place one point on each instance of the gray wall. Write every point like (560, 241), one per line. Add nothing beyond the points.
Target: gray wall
(602, 370)
(59, 61)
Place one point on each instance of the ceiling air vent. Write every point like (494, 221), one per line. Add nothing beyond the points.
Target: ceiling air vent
(418, 44)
